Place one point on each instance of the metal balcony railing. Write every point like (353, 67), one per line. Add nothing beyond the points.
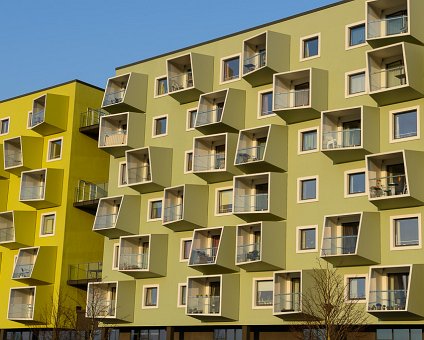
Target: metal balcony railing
(250, 154)
(105, 221)
(37, 118)
(133, 261)
(90, 271)
(114, 138)
(173, 213)
(341, 139)
(180, 81)
(388, 186)
(20, 310)
(209, 117)
(23, 271)
(387, 78)
(209, 162)
(289, 302)
(7, 234)
(32, 192)
(114, 97)
(387, 26)
(91, 117)
(254, 62)
(203, 255)
(291, 99)
(12, 159)
(340, 245)
(203, 304)
(388, 299)
(139, 174)
(249, 252)
(87, 191)
(251, 203)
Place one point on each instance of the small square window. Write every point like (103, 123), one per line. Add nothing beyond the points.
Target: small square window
(185, 249)
(265, 103)
(155, 210)
(182, 295)
(48, 222)
(405, 124)
(123, 180)
(55, 149)
(356, 183)
(231, 69)
(264, 289)
(356, 83)
(307, 189)
(160, 126)
(161, 86)
(115, 259)
(150, 296)
(191, 118)
(310, 47)
(406, 232)
(356, 35)
(356, 288)
(188, 163)
(307, 239)
(224, 201)
(308, 140)
(4, 126)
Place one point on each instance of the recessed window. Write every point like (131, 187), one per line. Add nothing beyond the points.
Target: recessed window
(224, 201)
(355, 83)
(405, 124)
(191, 118)
(308, 140)
(122, 180)
(48, 222)
(310, 47)
(150, 296)
(307, 239)
(160, 126)
(188, 163)
(182, 295)
(4, 126)
(185, 249)
(406, 231)
(115, 259)
(55, 149)
(230, 69)
(265, 103)
(356, 183)
(155, 210)
(356, 35)
(356, 288)
(263, 291)
(307, 189)
(161, 86)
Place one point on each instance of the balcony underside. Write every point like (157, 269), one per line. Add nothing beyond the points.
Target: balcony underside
(146, 187)
(395, 95)
(214, 128)
(91, 131)
(258, 166)
(214, 176)
(209, 317)
(393, 202)
(186, 95)
(180, 225)
(298, 114)
(83, 283)
(392, 39)
(394, 315)
(343, 155)
(293, 316)
(89, 206)
(347, 260)
(259, 76)
(211, 268)
(257, 216)
(257, 266)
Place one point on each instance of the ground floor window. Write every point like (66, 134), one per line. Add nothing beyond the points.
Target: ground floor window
(148, 334)
(399, 334)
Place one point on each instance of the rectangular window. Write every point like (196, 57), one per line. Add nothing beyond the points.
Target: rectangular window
(155, 210)
(265, 103)
(227, 334)
(356, 83)
(356, 183)
(231, 69)
(356, 287)
(310, 47)
(263, 293)
(224, 201)
(182, 295)
(357, 35)
(406, 232)
(308, 140)
(405, 124)
(115, 260)
(151, 296)
(307, 189)
(307, 239)
(160, 126)
(4, 126)
(123, 180)
(161, 86)
(399, 334)
(55, 149)
(191, 118)
(188, 164)
(47, 224)
(185, 249)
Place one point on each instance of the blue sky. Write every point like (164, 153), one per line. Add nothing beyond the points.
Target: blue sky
(47, 42)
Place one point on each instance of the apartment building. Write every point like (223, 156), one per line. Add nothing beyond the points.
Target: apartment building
(52, 175)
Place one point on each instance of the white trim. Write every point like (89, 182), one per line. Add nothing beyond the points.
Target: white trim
(180, 285)
(216, 208)
(145, 287)
(185, 161)
(346, 284)
(260, 93)
(346, 183)
(154, 119)
(254, 291)
(149, 209)
(392, 113)
(49, 143)
(299, 186)
(221, 72)
(347, 35)
(347, 83)
(115, 252)
(298, 239)
(120, 165)
(182, 241)
(189, 111)
(392, 232)
(308, 37)
(28, 127)
(155, 95)
(41, 223)
(8, 127)
(299, 140)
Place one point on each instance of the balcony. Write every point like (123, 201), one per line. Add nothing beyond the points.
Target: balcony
(17, 229)
(253, 193)
(22, 153)
(143, 256)
(264, 55)
(49, 114)
(26, 304)
(300, 95)
(213, 297)
(87, 196)
(120, 132)
(344, 136)
(394, 179)
(117, 216)
(41, 188)
(189, 75)
(149, 168)
(126, 92)
(345, 239)
(259, 247)
(81, 274)
(35, 264)
(89, 122)
(111, 301)
(185, 207)
(393, 73)
(259, 149)
(221, 111)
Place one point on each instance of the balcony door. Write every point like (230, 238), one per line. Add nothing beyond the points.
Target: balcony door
(215, 294)
(397, 289)
(352, 133)
(261, 197)
(219, 107)
(396, 180)
(397, 23)
(395, 74)
(350, 236)
(301, 94)
(219, 156)
(295, 294)
(260, 148)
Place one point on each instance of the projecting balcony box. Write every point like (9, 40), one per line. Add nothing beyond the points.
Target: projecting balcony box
(81, 274)
(3, 173)
(111, 301)
(259, 247)
(391, 21)
(212, 250)
(221, 111)
(28, 304)
(143, 256)
(349, 134)
(35, 264)
(394, 179)
(345, 239)
(149, 169)
(300, 95)
(89, 122)
(49, 114)
(17, 228)
(395, 73)
(87, 195)
(260, 196)
(213, 157)
(263, 55)
(117, 216)
(41, 188)
(189, 75)
(395, 292)
(22, 153)
(262, 149)
(213, 297)
(126, 92)
(185, 207)
(120, 132)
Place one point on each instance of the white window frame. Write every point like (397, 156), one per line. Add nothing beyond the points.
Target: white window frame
(145, 287)
(216, 210)
(116, 253)
(347, 83)
(42, 222)
(299, 188)
(149, 209)
(156, 87)
(8, 127)
(347, 173)
(393, 236)
(49, 142)
(299, 140)
(154, 120)
(254, 291)
(29, 114)
(308, 37)
(260, 93)
(188, 128)
(392, 114)
(347, 35)
(182, 241)
(299, 239)
(346, 283)
(185, 161)
(121, 164)
(221, 73)
(180, 285)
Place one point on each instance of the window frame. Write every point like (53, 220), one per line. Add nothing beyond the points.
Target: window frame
(302, 46)
(49, 149)
(8, 126)
(260, 94)
(347, 83)
(300, 140)
(300, 181)
(115, 257)
(156, 95)
(347, 173)
(221, 73)
(182, 248)
(299, 230)
(120, 183)
(392, 115)
(255, 281)
(347, 35)
(42, 217)
(179, 295)
(347, 279)
(143, 302)
(216, 210)
(393, 220)
(149, 209)
(154, 122)
(186, 153)
(188, 119)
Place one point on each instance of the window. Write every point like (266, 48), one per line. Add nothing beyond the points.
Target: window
(265, 103)
(161, 86)
(160, 126)
(310, 47)
(188, 163)
(227, 334)
(399, 334)
(355, 83)
(47, 226)
(182, 295)
(185, 249)
(230, 69)
(4, 126)
(306, 239)
(307, 189)
(224, 201)
(150, 296)
(122, 180)
(55, 149)
(115, 260)
(356, 183)
(405, 124)
(148, 334)
(263, 292)
(155, 210)
(308, 140)
(191, 119)
(406, 231)
(356, 35)
(356, 288)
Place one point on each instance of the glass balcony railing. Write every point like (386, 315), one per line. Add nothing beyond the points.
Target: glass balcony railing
(91, 271)
(291, 99)
(37, 118)
(139, 174)
(341, 139)
(135, 261)
(173, 213)
(388, 78)
(250, 154)
(340, 245)
(203, 255)
(251, 203)
(388, 186)
(209, 117)
(209, 162)
(35, 192)
(254, 62)
(180, 81)
(387, 299)
(106, 221)
(387, 26)
(289, 302)
(113, 138)
(87, 191)
(100, 307)
(91, 117)
(12, 159)
(249, 252)
(7, 234)
(203, 304)
(23, 271)
(20, 310)
(114, 97)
